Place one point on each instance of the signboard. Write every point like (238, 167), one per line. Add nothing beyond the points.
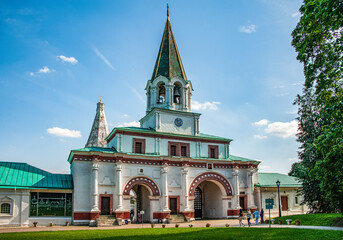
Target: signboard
(141, 212)
(269, 203)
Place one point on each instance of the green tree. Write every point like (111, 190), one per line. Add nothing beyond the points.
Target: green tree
(318, 41)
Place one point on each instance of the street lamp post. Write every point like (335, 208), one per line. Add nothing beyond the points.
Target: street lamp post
(278, 195)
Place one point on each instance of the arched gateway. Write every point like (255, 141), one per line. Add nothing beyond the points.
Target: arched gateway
(208, 190)
(211, 176)
(142, 181)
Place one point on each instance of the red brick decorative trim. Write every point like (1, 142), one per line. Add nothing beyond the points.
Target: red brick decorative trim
(161, 215)
(177, 203)
(188, 214)
(86, 215)
(140, 140)
(216, 152)
(123, 215)
(111, 201)
(193, 139)
(232, 212)
(144, 181)
(210, 176)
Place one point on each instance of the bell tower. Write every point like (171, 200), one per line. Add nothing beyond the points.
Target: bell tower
(169, 91)
(169, 87)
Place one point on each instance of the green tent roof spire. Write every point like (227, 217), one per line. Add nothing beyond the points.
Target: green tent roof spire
(168, 62)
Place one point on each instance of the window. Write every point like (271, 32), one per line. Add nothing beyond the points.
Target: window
(178, 149)
(296, 200)
(183, 151)
(5, 208)
(50, 204)
(138, 145)
(213, 151)
(173, 150)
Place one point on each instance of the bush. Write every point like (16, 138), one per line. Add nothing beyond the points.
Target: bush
(163, 226)
(177, 225)
(208, 224)
(152, 225)
(190, 225)
(227, 225)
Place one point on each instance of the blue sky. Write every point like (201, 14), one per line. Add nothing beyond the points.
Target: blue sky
(58, 57)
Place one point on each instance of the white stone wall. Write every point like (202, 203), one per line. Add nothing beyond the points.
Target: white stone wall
(82, 177)
(19, 200)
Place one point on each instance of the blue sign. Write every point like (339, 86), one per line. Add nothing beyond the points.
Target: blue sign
(269, 203)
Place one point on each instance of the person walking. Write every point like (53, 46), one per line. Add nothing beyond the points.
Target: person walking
(262, 215)
(256, 213)
(249, 217)
(240, 217)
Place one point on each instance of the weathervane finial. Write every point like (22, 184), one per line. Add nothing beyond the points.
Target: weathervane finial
(167, 10)
(100, 98)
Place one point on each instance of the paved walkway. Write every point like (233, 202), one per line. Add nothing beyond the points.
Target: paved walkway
(201, 223)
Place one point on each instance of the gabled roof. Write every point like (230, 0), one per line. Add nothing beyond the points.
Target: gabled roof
(269, 180)
(168, 62)
(25, 176)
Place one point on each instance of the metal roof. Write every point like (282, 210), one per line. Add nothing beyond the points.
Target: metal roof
(152, 131)
(25, 176)
(269, 180)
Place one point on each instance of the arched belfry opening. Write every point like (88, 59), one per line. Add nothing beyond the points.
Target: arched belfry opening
(161, 93)
(177, 93)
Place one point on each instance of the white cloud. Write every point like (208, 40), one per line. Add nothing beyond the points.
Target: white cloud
(31, 73)
(205, 106)
(45, 69)
(292, 112)
(264, 167)
(251, 28)
(293, 159)
(130, 124)
(283, 129)
(71, 60)
(260, 136)
(103, 58)
(262, 122)
(64, 132)
(295, 14)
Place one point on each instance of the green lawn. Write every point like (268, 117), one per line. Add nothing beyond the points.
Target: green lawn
(317, 219)
(182, 233)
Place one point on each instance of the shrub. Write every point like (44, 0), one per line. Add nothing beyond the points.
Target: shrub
(177, 225)
(227, 225)
(152, 225)
(190, 225)
(208, 224)
(163, 226)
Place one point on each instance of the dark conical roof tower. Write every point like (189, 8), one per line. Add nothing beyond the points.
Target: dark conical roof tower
(168, 62)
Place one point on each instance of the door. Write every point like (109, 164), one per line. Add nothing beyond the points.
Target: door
(198, 203)
(105, 206)
(242, 203)
(173, 205)
(284, 203)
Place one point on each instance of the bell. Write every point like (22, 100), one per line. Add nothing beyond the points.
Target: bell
(177, 92)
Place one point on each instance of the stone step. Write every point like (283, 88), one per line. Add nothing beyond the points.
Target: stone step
(177, 218)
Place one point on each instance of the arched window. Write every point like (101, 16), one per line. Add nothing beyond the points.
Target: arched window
(177, 93)
(5, 208)
(161, 93)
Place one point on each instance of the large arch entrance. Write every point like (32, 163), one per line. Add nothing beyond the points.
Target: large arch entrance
(138, 192)
(209, 191)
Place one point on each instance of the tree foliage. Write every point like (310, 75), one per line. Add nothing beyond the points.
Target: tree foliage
(318, 40)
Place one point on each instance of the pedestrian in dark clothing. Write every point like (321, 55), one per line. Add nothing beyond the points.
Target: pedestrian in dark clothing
(262, 215)
(248, 218)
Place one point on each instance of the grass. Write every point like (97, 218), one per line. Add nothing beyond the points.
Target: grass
(181, 233)
(317, 219)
